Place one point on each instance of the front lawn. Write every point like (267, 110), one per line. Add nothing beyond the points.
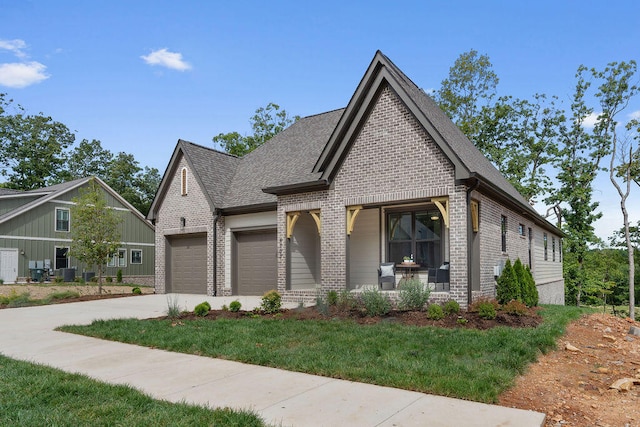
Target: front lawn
(35, 395)
(463, 363)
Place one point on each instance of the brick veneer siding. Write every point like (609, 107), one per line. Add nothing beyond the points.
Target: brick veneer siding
(392, 161)
(198, 217)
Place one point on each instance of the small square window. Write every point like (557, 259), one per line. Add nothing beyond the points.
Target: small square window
(522, 230)
(136, 256)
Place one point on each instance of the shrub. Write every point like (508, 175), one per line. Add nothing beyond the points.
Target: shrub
(332, 298)
(224, 307)
(515, 307)
(202, 309)
(271, 302)
(346, 300)
(58, 279)
(136, 291)
(173, 308)
(529, 289)
(507, 287)
(451, 307)
(322, 305)
(109, 279)
(93, 279)
(462, 321)
(475, 306)
(119, 276)
(434, 312)
(235, 306)
(413, 295)
(375, 303)
(487, 310)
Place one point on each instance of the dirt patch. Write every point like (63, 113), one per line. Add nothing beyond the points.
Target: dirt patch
(572, 386)
(86, 292)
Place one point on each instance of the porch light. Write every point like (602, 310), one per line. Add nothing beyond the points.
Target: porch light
(435, 218)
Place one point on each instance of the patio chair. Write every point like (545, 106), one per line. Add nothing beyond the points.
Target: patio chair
(441, 277)
(387, 276)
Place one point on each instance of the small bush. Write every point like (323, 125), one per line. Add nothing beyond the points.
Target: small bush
(224, 307)
(486, 310)
(475, 306)
(173, 308)
(119, 276)
(77, 279)
(529, 289)
(62, 295)
(271, 302)
(322, 306)
(451, 307)
(507, 287)
(434, 312)
(136, 290)
(235, 306)
(332, 298)
(413, 295)
(346, 301)
(109, 279)
(58, 279)
(202, 309)
(375, 303)
(93, 279)
(462, 321)
(515, 307)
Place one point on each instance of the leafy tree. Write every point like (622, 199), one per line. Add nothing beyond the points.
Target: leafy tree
(614, 94)
(266, 123)
(88, 159)
(32, 148)
(470, 86)
(147, 184)
(95, 234)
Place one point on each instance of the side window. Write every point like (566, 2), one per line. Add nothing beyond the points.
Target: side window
(553, 248)
(546, 244)
(62, 219)
(119, 259)
(183, 181)
(62, 259)
(136, 256)
(503, 227)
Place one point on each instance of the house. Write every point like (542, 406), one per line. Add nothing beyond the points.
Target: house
(35, 235)
(322, 204)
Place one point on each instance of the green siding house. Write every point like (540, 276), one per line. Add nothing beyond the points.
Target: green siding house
(35, 235)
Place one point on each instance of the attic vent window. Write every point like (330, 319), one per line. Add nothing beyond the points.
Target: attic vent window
(183, 181)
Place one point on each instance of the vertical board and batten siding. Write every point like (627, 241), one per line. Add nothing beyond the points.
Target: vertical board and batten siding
(34, 233)
(304, 248)
(8, 204)
(195, 209)
(236, 223)
(364, 249)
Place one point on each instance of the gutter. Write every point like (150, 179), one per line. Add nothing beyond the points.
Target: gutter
(216, 216)
(473, 187)
(302, 187)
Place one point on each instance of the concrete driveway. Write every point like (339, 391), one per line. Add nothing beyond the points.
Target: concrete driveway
(280, 397)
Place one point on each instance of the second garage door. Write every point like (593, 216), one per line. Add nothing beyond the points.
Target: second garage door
(188, 264)
(255, 266)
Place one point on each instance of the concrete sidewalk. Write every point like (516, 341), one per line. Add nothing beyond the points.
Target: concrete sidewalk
(280, 397)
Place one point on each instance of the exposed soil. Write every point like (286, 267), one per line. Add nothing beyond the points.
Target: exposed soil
(572, 384)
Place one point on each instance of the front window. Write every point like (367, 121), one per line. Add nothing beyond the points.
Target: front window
(136, 256)
(417, 233)
(503, 228)
(119, 259)
(62, 219)
(545, 244)
(62, 260)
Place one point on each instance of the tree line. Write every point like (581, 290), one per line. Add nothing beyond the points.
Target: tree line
(36, 151)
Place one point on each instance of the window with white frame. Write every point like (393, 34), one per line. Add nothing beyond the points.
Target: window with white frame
(62, 258)
(62, 219)
(119, 259)
(136, 256)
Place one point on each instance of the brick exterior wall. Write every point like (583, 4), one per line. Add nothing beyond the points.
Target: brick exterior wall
(198, 218)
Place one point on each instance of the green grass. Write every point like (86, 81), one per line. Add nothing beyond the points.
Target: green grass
(34, 395)
(463, 363)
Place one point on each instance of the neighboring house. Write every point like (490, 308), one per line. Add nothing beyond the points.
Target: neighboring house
(322, 204)
(35, 234)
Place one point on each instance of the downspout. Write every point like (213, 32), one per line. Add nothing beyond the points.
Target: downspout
(216, 216)
(470, 241)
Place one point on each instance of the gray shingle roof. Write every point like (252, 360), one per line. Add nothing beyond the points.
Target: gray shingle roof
(287, 158)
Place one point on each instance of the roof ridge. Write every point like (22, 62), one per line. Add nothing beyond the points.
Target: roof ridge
(215, 150)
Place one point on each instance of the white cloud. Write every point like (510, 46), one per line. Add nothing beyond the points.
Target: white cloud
(635, 115)
(16, 46)
(19, 75)
(591, 120)
(164, 58)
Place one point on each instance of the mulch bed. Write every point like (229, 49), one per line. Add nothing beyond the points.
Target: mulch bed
(414, 318)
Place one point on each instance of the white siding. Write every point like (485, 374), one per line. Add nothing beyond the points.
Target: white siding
(305, 254)
(243, 222)
(364, 249)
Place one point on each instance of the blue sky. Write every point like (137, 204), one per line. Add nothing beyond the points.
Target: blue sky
(138, 75)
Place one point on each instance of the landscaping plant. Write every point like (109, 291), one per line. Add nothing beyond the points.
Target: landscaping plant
(375, 303)
(235, 306)
(202, 309)
(271, 302)
(413, 295)
(434, 312)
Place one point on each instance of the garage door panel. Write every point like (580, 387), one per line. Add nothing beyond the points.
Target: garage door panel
(189, 264)
(256, 267)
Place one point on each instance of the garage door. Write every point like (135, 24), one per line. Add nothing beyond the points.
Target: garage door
(255, 266)
(188, 264)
